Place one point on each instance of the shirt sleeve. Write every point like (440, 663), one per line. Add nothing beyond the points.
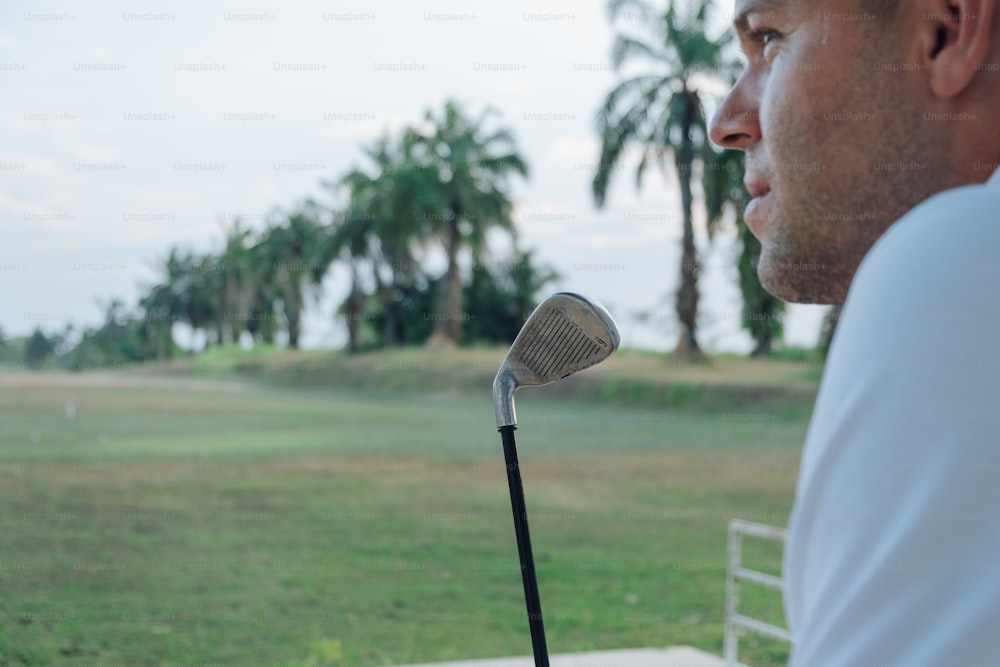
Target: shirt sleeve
(893, 556)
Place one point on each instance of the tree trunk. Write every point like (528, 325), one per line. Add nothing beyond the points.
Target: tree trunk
(226, 315)
(292, 313)
(268, 325)
(168, 339)
(687, 294)
(353, 310)
(448, 318)
(242, 314)
(390, 325)
(236, 311)
(145, 340)
(222, 317)
(763, 347)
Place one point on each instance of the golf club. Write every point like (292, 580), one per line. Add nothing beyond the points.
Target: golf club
(566, 333)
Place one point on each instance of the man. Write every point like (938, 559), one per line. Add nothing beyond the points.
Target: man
(872, 134)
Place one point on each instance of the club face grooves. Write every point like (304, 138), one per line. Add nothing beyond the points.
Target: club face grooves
(565, 334)
(543, 354)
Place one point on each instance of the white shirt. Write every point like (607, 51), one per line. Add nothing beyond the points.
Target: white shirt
(893, 553)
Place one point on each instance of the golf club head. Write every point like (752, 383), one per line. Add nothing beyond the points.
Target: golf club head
(566, 333)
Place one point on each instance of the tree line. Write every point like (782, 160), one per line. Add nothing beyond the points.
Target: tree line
(439, 189)
(442, 186)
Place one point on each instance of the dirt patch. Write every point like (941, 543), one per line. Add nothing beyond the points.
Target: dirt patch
(98, 380)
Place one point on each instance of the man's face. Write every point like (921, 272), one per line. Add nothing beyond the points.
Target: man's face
(822, 115)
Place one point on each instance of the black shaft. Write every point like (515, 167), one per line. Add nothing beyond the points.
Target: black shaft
(524, 548)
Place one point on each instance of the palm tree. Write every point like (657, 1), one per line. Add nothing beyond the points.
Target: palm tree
(208, 283)
(286, 256)
(261, 320)
(349, 241)
(238, 280)
(662, 113)
(186, 293)
(157, 323)
(161, 307)
(471, 168)
(344, 237)
(386, 221)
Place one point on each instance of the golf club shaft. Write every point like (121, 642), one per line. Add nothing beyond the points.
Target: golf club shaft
(524, 548)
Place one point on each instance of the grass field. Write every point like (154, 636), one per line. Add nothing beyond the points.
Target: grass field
(204, 516)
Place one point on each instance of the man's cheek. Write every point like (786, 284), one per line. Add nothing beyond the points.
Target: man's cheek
(775, 100)
(772, 115)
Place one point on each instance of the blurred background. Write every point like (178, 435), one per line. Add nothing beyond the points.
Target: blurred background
(132, 132)
(259, 262)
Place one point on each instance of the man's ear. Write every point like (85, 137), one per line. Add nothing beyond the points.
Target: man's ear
(954, 37)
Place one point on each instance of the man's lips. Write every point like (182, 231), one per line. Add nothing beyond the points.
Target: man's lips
(756, 187)
(754, 215)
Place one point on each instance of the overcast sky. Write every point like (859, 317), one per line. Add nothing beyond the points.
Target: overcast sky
(131, 127)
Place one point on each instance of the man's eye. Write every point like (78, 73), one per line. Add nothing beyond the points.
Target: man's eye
(765, 37)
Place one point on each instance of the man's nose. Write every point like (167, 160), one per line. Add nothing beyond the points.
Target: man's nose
(736, 124)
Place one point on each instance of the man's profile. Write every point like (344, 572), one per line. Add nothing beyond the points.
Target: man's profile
(872, 137)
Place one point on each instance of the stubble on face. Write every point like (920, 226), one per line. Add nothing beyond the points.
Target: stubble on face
(841, 148)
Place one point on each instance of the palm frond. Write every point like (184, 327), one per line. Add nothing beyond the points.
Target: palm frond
(639, 86)
(640, 170)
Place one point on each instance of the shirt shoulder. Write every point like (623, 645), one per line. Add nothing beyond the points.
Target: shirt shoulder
(901, 457)
(949, 237)
(927, 291)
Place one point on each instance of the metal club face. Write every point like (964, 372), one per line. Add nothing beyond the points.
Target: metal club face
(566, 333)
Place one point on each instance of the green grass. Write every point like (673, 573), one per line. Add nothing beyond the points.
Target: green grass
(212, 520)
(627, 376)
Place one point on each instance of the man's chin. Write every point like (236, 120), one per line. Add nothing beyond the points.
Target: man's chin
(798, 281)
